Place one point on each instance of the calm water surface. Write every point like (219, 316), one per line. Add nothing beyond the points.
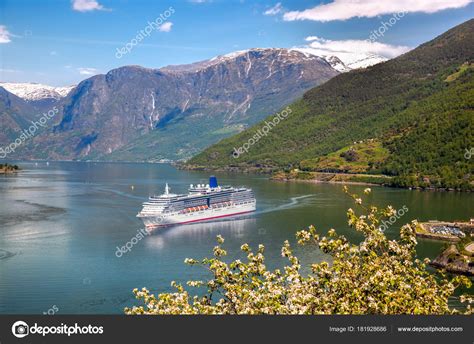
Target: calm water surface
(60, 226)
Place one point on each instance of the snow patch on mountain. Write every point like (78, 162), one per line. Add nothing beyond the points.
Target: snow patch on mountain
(337, 64)
(231, 55)
(346, 61)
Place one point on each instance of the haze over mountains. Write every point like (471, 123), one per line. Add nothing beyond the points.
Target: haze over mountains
(135, 113)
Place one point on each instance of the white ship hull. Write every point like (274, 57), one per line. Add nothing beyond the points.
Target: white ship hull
(211, 214)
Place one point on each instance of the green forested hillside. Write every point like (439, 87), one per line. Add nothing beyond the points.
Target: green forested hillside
(430, 151)
(419, 106)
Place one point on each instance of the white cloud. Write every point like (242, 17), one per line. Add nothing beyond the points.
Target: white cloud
(87, 71)
(166, 27)
(274, 10)
(346, 9)
(86, 5)
(4, 35)
(321, 46)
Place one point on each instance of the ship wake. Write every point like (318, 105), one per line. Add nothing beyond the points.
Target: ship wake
(293, 203)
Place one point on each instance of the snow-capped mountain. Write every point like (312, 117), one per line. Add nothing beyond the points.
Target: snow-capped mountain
(340, 61)
(137, 113)
(288, 55)
(282, 55)
(36, 92)
(337, 64)
(345, 61)
(121, 112)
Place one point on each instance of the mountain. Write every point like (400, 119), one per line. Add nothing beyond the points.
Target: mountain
(336, 63)
(346, 61)
(357, 61)
(15, 115)
(415, 110)
(37, 94)
(136, 113)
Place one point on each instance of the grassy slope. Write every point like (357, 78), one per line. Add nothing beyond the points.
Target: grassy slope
(368, 156)
(405, 103)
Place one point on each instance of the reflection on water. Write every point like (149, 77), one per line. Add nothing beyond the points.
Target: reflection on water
(25, 211)
(60, 226)
(199, 231)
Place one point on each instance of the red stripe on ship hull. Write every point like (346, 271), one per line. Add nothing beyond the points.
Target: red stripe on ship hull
(207, 218)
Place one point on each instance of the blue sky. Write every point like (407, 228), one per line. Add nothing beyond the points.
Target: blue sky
(61, 42)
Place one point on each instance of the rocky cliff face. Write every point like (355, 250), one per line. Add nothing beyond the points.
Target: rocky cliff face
(135, 113)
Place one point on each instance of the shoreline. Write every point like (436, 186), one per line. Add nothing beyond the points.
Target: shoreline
(315, 181)
(457, 257)
(7, 169)
(273, 174)
(453, 261)
(348, 178)
(315, 177)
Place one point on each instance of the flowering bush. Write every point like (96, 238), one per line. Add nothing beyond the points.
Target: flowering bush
(378, 276)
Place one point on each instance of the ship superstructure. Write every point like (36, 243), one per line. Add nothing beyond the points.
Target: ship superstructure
(202, 203)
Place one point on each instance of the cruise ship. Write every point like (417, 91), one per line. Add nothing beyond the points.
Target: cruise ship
(203, 203)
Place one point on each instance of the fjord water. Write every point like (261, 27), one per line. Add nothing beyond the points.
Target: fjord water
(61, 224)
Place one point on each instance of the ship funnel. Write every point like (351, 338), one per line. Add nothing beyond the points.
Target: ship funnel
(213, 182)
